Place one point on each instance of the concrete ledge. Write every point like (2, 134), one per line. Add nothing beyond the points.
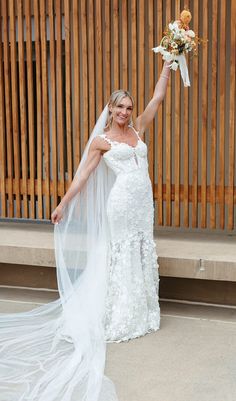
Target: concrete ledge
(27, 244)
(197, 268)
(192, 255)
(197, 255)
(23, 255)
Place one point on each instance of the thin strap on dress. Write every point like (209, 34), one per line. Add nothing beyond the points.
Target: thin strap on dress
(103, 136)
(136, 132)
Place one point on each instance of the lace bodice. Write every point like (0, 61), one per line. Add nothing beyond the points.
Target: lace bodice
(124, 158)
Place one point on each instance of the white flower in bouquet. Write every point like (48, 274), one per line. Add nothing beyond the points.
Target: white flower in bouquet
(190, 33)
(177, 41)
(167, 56)
(174, 65)
(158, 49)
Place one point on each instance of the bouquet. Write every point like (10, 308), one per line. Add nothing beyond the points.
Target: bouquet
(178, 40)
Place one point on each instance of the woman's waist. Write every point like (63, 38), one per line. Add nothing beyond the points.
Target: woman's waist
(134, 172)
(135, 178)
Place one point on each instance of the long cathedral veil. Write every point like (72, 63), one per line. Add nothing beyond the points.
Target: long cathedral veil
(57, 351)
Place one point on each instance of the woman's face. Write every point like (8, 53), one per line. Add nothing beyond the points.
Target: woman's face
(122, 111)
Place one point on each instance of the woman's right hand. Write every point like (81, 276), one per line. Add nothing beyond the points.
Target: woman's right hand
(57, 214)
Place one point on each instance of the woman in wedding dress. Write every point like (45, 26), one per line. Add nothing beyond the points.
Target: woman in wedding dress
(132, 308)
(107, 268)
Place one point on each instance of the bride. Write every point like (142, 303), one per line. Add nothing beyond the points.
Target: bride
(106, 268)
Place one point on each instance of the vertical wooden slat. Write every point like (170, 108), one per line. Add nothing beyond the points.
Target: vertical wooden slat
(231, 162)
(124, 33)
(222, 116)
(84, 71)
(151, 144)
(91, 60)
(30, 96)
(116, 44)
(177, 136)
(98, 52)
(8, 109)
(141, 62)
(76, 76)
(52, 51)
(204, 123)
(39, 126)
(43, 33)
(195, 127)
(107, 50)
(168, 134)
(60, 111)
(23, 114)
(160, 128)
(2, 134)
(14, 96)
(133, 54)
(213, 116)
(68, 91)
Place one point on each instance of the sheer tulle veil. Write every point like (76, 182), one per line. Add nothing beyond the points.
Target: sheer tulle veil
(57, 352)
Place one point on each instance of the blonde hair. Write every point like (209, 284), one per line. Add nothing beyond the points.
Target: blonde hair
(114, 100)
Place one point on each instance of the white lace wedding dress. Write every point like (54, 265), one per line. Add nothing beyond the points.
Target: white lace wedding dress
(57, 351)
(132, 307)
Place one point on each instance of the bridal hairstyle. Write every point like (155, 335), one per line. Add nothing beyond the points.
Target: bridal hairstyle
(57, 351)
(114, 100)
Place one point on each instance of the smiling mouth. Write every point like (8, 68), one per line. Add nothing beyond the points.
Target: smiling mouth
(123, 118)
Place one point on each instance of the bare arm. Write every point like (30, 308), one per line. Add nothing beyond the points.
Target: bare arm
(144, 119)
(94, 156)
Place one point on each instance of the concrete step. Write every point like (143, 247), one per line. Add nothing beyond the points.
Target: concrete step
(193, 266)
(188, 255)
(18, 299)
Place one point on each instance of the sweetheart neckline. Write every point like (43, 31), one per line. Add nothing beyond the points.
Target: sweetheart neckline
(124, 143)
(110, 141)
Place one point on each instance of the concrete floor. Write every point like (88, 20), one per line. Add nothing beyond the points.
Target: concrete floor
(191, 358)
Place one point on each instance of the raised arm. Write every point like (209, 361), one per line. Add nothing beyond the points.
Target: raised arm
(94, 156)
(144, 119)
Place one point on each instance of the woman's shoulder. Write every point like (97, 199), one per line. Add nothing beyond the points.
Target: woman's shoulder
(137, 131)
(99, 142)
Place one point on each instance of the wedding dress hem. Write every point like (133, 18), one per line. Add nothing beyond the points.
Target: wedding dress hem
(127, 339)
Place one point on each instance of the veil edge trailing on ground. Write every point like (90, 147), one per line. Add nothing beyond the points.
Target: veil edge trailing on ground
(57, 351)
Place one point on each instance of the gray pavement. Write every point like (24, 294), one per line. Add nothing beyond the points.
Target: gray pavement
(191, 358)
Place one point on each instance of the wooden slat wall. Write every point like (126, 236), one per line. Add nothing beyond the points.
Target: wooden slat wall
(232, 152)
(59, 62)
(160, 128)
(52, 52)
(2, 133)
(23, 107)
(213, 81)
(195, 125)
